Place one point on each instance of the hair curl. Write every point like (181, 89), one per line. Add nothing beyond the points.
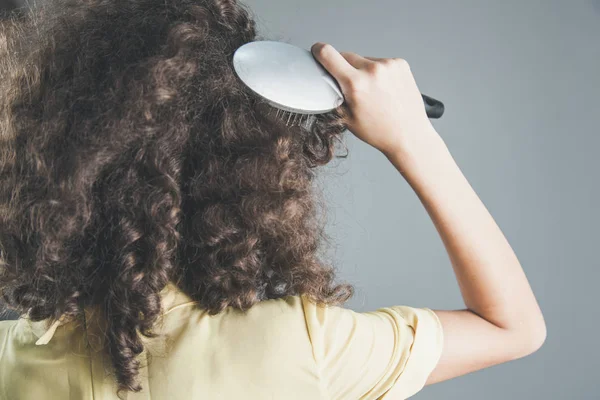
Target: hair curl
(131, 155)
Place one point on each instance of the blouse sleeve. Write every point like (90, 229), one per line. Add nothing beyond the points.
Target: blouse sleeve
(384, 354)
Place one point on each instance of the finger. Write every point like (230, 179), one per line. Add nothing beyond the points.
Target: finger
(333, 61)
(356, 60)
(375, 58)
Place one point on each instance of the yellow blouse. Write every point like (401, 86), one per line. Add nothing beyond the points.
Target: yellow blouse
(288, 348)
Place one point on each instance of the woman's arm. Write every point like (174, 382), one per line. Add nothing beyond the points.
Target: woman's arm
(502, 321)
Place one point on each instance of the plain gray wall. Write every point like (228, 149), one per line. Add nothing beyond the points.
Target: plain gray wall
(520, 82)
(516, 77)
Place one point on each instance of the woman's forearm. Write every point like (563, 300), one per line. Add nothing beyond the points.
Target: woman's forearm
(490, 277)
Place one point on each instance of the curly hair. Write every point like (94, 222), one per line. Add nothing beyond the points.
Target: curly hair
(131, 156)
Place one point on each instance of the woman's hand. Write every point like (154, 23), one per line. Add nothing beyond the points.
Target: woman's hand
(386, 107)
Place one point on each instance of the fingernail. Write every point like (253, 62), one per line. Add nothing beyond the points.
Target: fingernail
(317, 46)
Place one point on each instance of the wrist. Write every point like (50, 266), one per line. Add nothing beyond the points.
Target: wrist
(427, 153)
(433, 172)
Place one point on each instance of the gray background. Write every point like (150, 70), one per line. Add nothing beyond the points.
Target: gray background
(521, 87)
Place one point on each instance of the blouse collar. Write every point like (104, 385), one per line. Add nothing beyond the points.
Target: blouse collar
(44, 330)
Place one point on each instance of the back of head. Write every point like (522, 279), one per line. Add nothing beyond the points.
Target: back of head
(131, 156)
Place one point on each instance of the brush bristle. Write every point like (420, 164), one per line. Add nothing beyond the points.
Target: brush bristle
(295, 119)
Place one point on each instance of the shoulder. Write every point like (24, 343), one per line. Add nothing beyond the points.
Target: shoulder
(268, 320)
(275, 324)
(267, 314)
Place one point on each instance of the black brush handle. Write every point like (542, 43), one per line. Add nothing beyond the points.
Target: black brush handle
(433, 107)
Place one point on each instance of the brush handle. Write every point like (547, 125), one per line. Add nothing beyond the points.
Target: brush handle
(433, 107)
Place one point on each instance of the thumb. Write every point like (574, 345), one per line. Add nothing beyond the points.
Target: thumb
(333, 62)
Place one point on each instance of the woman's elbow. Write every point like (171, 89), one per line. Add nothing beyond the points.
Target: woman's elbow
(531, 338)
(538, 337)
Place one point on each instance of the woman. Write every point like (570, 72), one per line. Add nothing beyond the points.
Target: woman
(160, 232)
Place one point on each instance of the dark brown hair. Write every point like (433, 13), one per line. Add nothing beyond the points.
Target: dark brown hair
(131, 155)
